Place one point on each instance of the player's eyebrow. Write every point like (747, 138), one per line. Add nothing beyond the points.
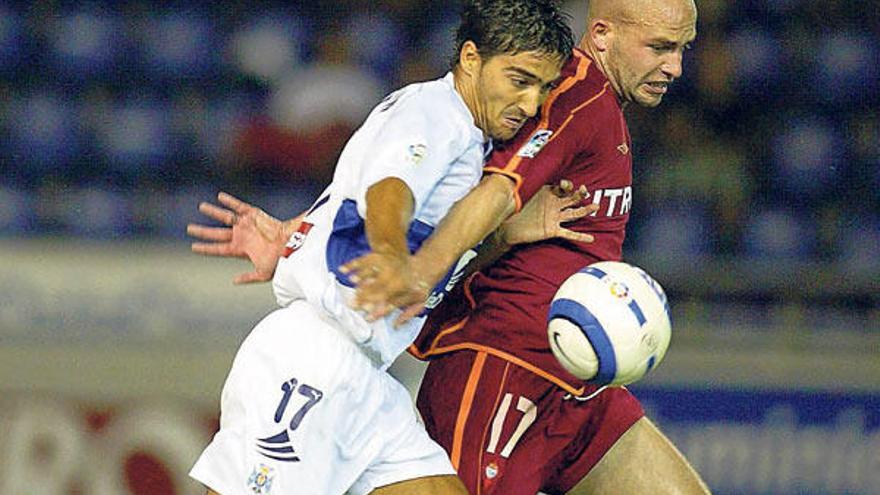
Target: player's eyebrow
(667, 39)
(523, 72)
(662, 40)
(670, 43)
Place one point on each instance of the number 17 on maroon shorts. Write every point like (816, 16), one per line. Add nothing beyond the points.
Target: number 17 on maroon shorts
(510, 431)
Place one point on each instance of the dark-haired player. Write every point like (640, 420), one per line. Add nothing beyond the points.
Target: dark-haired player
(308, 408)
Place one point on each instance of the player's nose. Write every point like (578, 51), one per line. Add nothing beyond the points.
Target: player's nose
(531, 102)
(672, 67)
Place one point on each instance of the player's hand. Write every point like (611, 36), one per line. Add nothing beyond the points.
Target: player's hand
(545, 215)
(250, 233)
(386, 282)
(409, 313)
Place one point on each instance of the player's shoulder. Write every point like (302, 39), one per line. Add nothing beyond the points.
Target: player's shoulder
(432, 109)
(583, 87)
(435, 100)
(431, 114)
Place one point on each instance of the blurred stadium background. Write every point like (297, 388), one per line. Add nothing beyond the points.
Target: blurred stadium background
(756, 206)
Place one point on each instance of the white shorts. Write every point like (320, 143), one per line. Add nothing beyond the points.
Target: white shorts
(305, 412)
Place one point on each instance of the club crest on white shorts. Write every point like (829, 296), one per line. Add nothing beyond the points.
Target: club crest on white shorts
(260, 481)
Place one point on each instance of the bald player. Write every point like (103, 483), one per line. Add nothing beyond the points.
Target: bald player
(513, 421)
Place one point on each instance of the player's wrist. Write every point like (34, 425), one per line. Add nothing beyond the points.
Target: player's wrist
(503, 237)
(424, 272)
(289, 227)
(422, 288)
(390, 250)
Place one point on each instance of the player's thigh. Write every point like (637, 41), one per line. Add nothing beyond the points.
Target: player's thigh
(408, 458)
(490, 415)
(287, 410)
(431, 485)
(642, 461)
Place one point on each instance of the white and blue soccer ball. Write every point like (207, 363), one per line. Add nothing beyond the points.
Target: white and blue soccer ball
(609, 323)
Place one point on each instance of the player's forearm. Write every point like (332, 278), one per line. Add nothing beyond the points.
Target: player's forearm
(468, 222)
(492, 248)
(390, 206)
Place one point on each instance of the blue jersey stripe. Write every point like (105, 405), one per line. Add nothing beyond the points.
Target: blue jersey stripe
(349, 239)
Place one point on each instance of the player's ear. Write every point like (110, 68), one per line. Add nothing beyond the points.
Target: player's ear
(469, 58)
(600, 33)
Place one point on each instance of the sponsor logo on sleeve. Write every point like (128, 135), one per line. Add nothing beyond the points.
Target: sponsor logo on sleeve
(416, 153)
(536, 143)
(297, 239)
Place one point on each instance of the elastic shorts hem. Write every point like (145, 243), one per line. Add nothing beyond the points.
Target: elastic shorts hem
(207, 479)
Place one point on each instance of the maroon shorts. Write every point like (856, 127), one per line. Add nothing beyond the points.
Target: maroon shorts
(508, 431)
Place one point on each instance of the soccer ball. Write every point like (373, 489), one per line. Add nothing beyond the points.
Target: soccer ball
(609, 324)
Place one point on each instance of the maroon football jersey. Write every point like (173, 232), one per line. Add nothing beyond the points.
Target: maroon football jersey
(581, 135)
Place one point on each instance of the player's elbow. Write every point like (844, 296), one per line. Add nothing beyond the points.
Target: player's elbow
(503, 194)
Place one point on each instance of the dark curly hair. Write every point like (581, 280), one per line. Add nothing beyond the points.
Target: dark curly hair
(514, 26)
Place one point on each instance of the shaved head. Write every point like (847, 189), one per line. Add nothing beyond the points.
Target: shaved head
(679, 13)
(639, 44)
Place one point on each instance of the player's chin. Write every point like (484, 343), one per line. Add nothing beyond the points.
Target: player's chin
(504, 133)
(649, 100)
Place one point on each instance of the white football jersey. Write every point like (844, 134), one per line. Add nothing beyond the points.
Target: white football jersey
(425, 136)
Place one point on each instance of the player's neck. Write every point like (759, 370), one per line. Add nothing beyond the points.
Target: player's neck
(466, 87)
(599, 60)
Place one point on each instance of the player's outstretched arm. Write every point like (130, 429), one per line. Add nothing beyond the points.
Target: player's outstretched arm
(250, 233)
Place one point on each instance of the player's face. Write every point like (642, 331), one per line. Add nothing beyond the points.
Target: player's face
(645, 58)
(511, 88)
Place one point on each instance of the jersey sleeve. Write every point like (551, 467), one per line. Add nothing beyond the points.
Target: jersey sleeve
(417, 144)
(537, 156)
